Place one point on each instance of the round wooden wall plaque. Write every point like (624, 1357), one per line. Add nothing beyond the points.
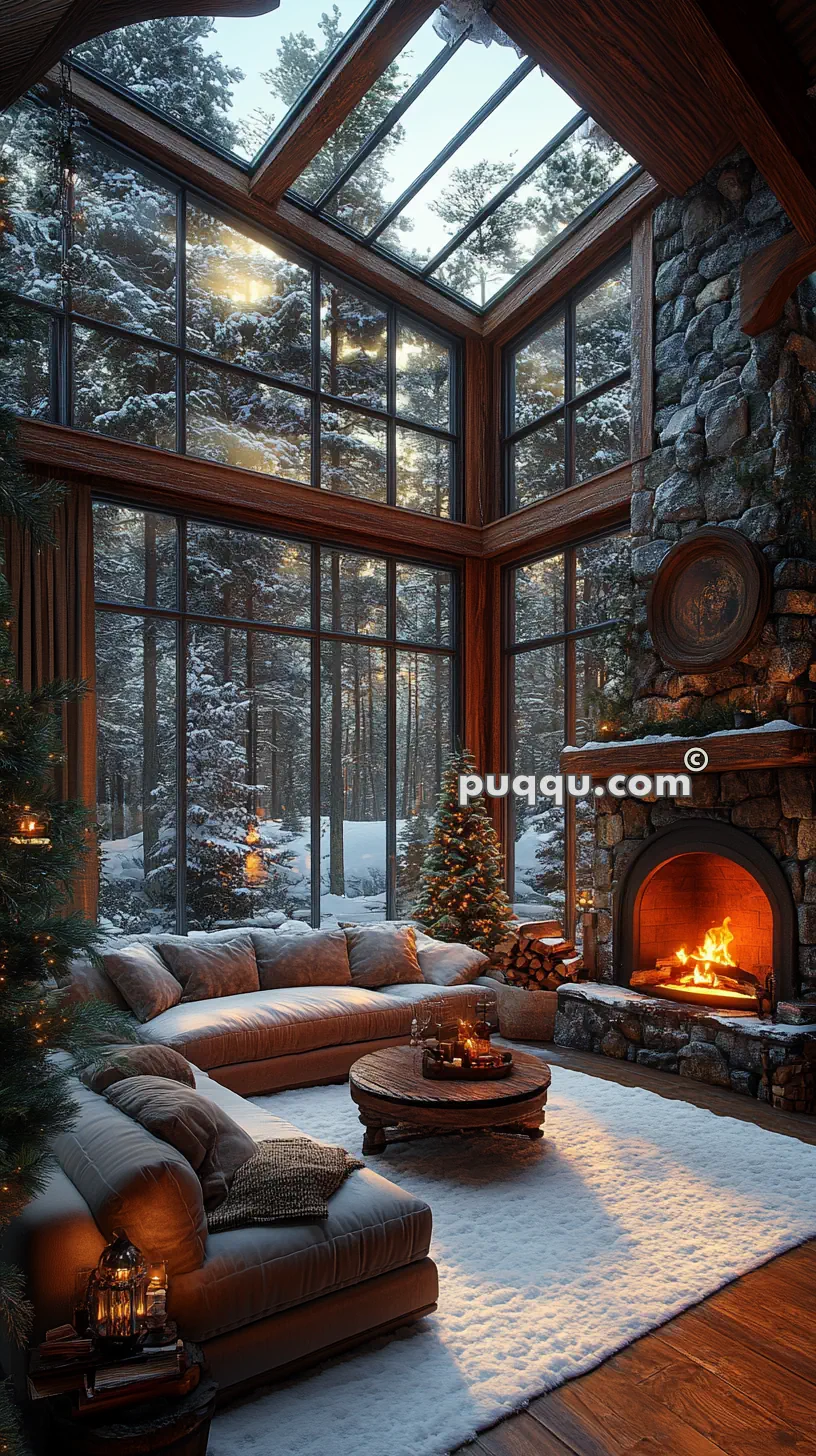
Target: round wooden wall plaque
(709, 600)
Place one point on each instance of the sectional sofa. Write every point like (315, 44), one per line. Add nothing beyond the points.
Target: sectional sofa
(260, 1300)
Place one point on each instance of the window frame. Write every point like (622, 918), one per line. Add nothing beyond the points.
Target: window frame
(316, 634)
(572, 401)
(64, 319)
(566, 639)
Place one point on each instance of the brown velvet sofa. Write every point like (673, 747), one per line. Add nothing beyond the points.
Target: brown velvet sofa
(260, 1300)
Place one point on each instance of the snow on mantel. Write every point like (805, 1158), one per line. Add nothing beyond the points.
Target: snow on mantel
(774, 727)
(770, 745)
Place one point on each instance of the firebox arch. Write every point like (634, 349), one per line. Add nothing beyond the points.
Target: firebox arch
(705, 836)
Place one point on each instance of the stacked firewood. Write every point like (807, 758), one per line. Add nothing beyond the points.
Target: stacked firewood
(538, 958)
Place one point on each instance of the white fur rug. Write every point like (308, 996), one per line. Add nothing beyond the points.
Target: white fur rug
(552, 1255)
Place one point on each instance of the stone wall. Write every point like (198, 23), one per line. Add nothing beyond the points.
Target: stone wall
(735, 417)
(735, 424)
(775, 1064)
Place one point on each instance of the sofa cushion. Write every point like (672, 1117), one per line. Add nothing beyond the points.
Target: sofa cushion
(220, 1033)
(269, 1024)
(132, 1180)
(115, 1063)
(141, 977)
(445, 964)
(211, 1141)
(207, 968)
(319, 958)
(372, 1227)
(84, 980)
(382, 955)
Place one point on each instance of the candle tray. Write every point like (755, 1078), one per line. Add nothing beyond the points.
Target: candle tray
(437, 1070)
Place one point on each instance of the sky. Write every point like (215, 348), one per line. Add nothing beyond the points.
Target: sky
(526, 120)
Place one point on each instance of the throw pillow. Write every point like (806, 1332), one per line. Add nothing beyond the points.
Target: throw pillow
(116, 1063)
(141, 977)
(382, 955)
(213, 1144)
(319, 958)
(206, 969)
(445, 964)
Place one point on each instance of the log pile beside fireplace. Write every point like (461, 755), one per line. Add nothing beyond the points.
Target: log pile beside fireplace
(539, 958)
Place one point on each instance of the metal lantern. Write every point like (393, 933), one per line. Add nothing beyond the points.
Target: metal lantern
(29, 829)
(117, 1295)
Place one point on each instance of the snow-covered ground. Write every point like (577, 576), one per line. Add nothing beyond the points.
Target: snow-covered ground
(364, 871)
(363, 864)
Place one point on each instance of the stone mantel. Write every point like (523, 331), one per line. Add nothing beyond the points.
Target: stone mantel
(774, 745)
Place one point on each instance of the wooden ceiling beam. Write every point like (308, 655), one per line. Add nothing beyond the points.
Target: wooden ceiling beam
(35, 33)
(244, 494)
(768, 278)
(747, 62)
(621, 62)
(227, 183)
(358, 66)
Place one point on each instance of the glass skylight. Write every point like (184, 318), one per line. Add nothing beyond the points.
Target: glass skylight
(464, 161)
(232, 80)
(474, 162)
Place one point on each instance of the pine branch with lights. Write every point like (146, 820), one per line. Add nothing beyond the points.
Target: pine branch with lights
(462, 896)
(42, 845)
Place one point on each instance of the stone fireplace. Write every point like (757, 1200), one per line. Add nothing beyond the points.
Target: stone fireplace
(734, 449)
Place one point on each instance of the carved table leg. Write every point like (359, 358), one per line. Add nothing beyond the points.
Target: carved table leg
(374, 1139)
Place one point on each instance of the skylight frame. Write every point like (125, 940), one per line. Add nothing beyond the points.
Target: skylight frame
(370, 242)
(287, 122)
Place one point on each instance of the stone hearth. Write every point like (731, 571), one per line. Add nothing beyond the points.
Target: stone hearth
(773, 1062)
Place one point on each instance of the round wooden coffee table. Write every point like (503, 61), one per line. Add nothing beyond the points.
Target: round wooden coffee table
(396, 1102)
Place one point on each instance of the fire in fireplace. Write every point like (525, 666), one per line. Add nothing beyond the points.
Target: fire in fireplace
(704, 915)
(707, 976)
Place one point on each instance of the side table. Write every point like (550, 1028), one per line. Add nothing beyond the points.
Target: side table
(173, 1425)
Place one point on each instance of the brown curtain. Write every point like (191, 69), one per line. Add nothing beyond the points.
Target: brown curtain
(53, 634)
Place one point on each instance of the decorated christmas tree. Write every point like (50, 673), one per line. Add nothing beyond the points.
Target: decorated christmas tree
(461, 895)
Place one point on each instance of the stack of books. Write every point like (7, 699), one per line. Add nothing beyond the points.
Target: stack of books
(101, 1383)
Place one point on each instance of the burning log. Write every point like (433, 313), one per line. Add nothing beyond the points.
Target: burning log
(708, 976)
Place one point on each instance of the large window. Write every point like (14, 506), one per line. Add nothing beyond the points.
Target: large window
(273, 719)
(567, 671)
(567, 392)
(169, 324)
(463, 162)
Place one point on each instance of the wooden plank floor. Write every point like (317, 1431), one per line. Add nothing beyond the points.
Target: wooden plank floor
(734, 1376)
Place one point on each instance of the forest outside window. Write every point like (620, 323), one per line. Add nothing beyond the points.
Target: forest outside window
(273, 720)
(179, 328)
(567, 392)
(568, 670)
(463, 162)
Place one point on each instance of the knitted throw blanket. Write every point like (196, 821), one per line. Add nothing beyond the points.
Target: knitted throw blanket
(287, 1178)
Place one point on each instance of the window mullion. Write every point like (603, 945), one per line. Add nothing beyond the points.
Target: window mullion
(391, 743)
(181, 320)
(315, 753)
(569, 393)
(315, 351)
(181, 735)
(570, 721)
(391, 405)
